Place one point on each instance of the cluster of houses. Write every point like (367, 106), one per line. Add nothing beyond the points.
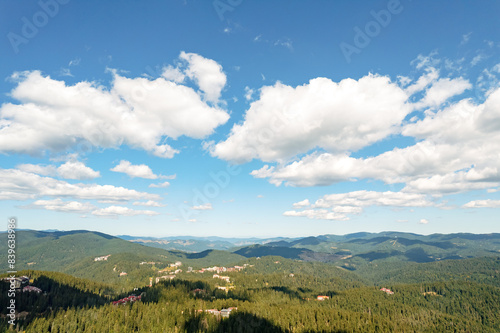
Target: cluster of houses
(223, 313)
(387, 291)
(225, 278)
(322, 297)
(177, 271)
(102, 258)
(132, 298)
(22, 283)
(164, 277)
(171, 274)
(219, 270)
(176, 264)
(32, 289)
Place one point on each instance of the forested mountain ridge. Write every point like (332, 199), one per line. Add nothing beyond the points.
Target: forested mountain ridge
(267, 293)
(261, 303)
(74, 252)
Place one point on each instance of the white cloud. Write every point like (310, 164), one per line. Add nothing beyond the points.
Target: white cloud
(114, 211)
(65, 72)
(75, 62)
(302, 204)
(59, 205)
(372, 198)
(287, 42)
(317, 214)
(403, 80)
(76, 170)
(140, 171)
(207, 73)
(496, 68)
(338, 206)
(138, 112)
(423, 221)
(286, 121)
(207, 206)
(457, 151)
(173, 74)
(68, 170)
(43, 170)
(248, 93)
(476, 60)
(465, 38)
(428, 61)
(455, 182)
(430, 76)
(442, 90)
(21, 185)
(149, 203)
(160, 185)
(488, 203)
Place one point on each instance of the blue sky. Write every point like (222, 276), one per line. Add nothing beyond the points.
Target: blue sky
(250, 118)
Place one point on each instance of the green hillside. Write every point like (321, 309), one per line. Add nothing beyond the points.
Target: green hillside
(74, 252)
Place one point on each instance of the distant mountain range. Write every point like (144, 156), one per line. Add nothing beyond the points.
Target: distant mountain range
(197, 244)
(73, 252)
(349, 250)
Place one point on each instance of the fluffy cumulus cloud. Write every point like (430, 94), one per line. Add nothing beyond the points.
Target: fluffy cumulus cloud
(308, 136)
(318, 214)
(207, 206)
(60, 205)
(442, 90)
(336, 116)
(76, 170)
(149, 203)
(50, 115)
(488, 203)
(21, 185)
(140, 171)
(340, 206)
(456, 151)
(206, 73)
(114, 211)
(69, 170)
(160, 185)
